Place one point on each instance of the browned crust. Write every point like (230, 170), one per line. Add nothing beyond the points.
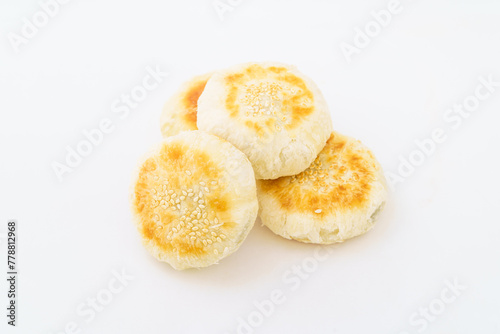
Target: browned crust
(263, 88)
(340, 179)
(178, 167)
(190, 102)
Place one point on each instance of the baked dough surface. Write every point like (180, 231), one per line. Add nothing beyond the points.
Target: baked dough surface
(336, 198)
(271, 112)
(180, 111)
(194, 199)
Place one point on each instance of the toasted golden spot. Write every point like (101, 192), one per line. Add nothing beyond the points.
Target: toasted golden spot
(228, 226)
(148, 231)
(277, 69)
(234, 78)
(259, 93)
(339, 179)
(149, 165)
(171, 152)
(260, 129)
(190, 102)
(231, 101)
(182, 204)
(219, 203)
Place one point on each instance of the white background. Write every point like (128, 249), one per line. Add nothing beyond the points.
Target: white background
(440, 224)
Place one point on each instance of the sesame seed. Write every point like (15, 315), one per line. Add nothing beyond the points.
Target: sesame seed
(216, 251)
(198, 216)
(318, 211)
(182, 198)
(195, 199)
(188, 172)
(178, 206)
(190, 195)
(195, 222)
(195, 228)
(174, 229)
(204, 242)
(193, 238)
(184, 193)
(202, 183)
(209, 241)
(207, 190)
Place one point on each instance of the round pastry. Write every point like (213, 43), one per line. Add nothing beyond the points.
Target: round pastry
(179, 112)
(338, 197)
(194, 200)
(271, 112)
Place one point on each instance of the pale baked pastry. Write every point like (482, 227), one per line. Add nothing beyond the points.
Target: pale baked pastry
(338, 197)
(179, 112)
(271, 112)
(194, 199)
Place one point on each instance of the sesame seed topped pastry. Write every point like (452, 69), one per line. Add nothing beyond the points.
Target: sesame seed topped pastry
(179, 112)
(194, 200)
(271, 112)
(338, 197)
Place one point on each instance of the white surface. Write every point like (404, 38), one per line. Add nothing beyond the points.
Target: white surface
(440, 224)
